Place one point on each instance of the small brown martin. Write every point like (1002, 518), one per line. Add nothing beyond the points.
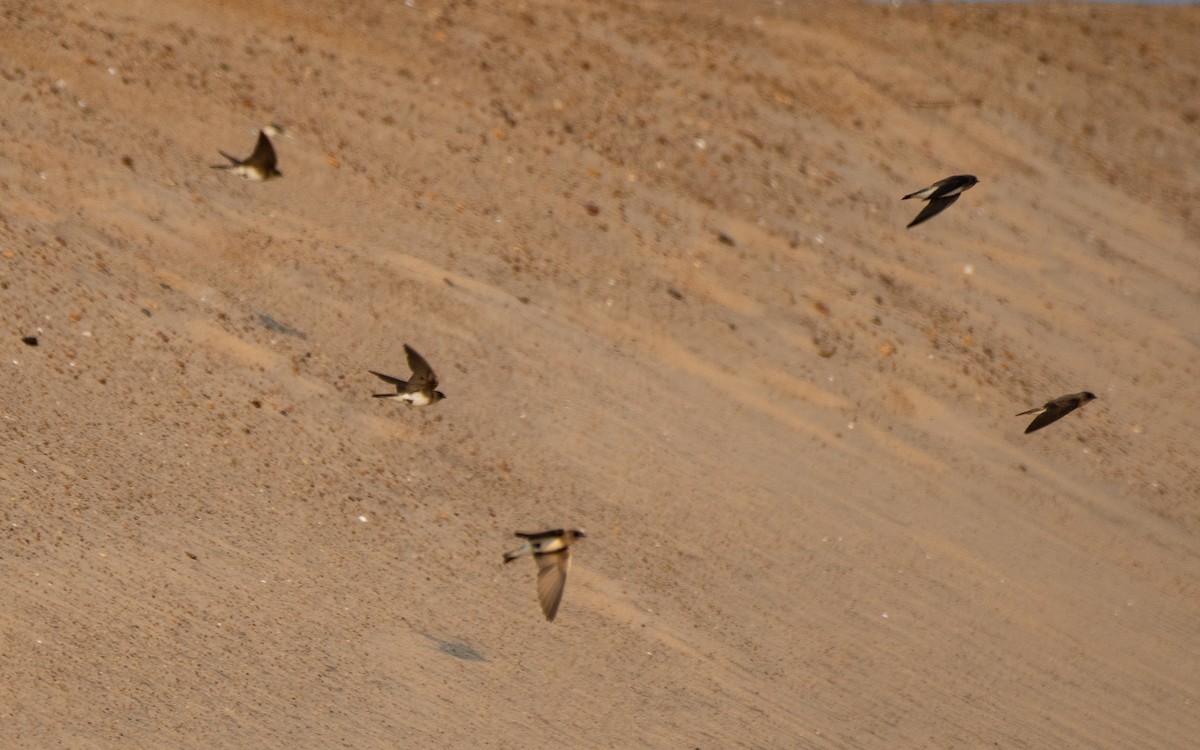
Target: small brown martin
(1056, 409)
(260, 165)
(420, 389)
(551, 551)
(941, 195)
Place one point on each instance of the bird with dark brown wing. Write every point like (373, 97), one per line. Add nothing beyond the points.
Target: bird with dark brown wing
(1055, 410)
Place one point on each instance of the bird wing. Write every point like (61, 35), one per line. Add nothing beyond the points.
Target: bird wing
(264, 152)
(934, 207)
(1054, 411)
(422, 374)
(552, 578)
(394, 381)
(538, 534)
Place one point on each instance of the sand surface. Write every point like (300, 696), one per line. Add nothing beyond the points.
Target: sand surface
(657, 255)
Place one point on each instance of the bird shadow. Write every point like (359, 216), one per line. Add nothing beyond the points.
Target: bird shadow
(457, 649)
(274, 325)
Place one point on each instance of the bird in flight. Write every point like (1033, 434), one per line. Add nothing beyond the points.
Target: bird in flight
(551, 551)
(941, 195)
(421, 387)
(1055, 410)
(258, 166)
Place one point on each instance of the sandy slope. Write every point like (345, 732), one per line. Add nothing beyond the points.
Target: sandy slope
(656, 253)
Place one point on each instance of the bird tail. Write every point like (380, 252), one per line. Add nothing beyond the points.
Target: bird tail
(1031, 411)
(383, 395)
(924, 192)
(510, 556)
(233, 162)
